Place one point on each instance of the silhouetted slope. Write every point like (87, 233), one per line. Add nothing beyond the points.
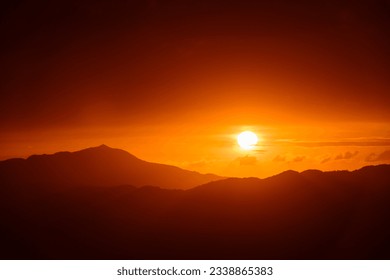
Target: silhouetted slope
(308, 215)
(99, 166)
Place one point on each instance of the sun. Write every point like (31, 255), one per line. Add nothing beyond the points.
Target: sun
(247, 140)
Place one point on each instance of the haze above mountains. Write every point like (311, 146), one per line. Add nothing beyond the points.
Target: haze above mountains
(103, 203)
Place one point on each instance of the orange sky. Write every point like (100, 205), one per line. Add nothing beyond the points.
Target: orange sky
(176, 81)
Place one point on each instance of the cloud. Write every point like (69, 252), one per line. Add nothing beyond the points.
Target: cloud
(279, 158)
(247, 160)
(298, 158)
(353, 143)
(325, 160)
(371, 157)
(259, 151)
(385, 156)
(347, 155)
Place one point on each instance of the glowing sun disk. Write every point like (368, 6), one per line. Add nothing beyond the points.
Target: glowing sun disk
(247, 140)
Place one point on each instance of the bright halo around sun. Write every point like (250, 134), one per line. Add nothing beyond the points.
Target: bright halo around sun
(247, 140)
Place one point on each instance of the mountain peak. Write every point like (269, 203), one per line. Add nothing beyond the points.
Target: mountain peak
(102, 146)
(105, 150)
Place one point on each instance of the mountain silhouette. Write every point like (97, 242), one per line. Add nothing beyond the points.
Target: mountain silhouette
(307, 215)
(98, 166)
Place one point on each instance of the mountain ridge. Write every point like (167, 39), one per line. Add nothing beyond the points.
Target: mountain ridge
(100, 165)
(47, 162)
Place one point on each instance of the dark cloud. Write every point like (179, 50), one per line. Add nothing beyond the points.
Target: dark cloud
(247, 160)
(385, 156)
(298, 158)
(325, 160)
(279, 158)
(371, 157)
(347, 155)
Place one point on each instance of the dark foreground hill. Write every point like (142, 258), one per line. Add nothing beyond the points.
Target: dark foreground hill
(308, 215)
(98, 166)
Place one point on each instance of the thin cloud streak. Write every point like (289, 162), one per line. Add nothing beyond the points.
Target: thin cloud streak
(357, 143)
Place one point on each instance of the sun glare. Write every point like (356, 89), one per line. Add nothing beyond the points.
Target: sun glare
(247, 140)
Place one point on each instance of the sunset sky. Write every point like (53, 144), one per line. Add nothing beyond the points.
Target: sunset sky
(175, 82)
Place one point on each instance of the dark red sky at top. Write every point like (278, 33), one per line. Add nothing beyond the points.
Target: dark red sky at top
(157, 58)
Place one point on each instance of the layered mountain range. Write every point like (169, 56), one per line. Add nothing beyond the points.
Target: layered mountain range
(103, 203)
